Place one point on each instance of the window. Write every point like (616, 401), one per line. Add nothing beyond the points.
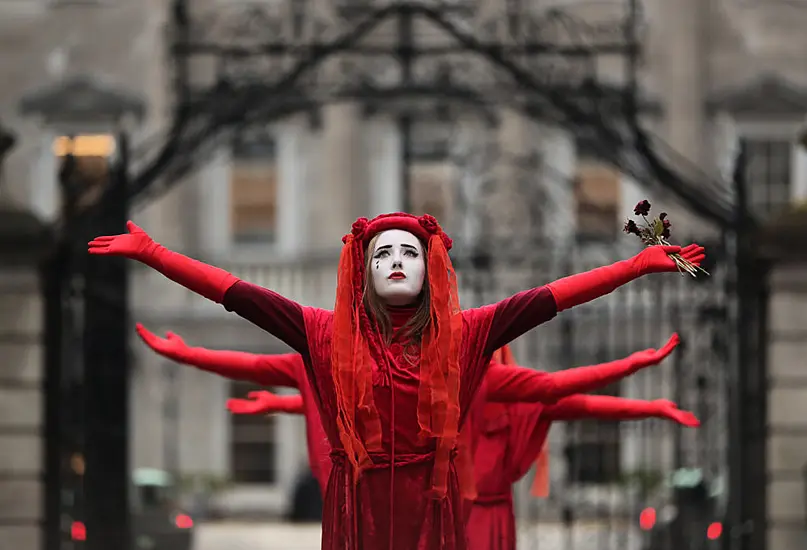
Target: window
(252, 445)
(253, 188)
(768, 174)
(593, 451)
(596, 188)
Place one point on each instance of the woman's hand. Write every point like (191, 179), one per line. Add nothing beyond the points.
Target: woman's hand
(649, 357)
(172, 346)
(668, 409)
(135, 245)
(656, 259)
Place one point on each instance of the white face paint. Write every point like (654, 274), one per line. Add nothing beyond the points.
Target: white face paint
(398, 267)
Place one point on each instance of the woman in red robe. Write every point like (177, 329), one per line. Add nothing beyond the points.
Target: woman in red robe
(396, 362)
(509, 436)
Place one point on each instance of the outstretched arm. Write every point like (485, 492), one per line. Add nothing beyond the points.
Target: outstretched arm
(520, 313)
(604, 407)
(510, 384)
(272, 312)
(265, 370)
(264, 402)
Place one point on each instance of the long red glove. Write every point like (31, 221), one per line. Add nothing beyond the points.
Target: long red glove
(205, 280)
(583, 287)
(264, 402)
(604, 407)
(266, 370)
(510, 384)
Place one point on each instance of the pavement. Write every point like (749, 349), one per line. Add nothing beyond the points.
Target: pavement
(257, 536)
(286, 536)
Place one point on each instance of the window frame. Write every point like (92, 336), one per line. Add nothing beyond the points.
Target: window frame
(257, 245)
(772, 131)
(262, 423)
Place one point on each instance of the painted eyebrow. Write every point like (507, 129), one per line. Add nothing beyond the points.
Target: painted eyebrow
(380, 248)
(409, 246)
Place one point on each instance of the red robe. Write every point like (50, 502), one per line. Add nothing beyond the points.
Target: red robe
(390, 505)
(507, 437)
(394, 510)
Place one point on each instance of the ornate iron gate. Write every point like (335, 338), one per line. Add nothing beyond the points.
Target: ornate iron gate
(87, 336)
(441, 60)
(605, 475)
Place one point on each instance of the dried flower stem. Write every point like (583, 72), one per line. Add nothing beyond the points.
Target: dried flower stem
(651, 239)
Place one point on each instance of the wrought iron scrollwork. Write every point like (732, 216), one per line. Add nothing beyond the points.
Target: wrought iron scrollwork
(239, 63)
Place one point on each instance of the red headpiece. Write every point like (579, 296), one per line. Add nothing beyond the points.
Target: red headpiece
(356, 336)
(540, 486)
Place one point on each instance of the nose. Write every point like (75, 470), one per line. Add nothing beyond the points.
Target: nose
(397, 259)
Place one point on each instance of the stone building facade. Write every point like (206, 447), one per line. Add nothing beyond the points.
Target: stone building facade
(718, 71)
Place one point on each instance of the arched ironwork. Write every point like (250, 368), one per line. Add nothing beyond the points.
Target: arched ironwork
(240, 65)
(265, 61)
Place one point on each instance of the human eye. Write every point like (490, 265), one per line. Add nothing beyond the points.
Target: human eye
(381, 254)
(411, 253)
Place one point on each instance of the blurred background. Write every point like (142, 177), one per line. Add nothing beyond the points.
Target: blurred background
(251, 133)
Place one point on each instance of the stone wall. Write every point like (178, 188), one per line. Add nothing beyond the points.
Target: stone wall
(21, 406)
(787, 407)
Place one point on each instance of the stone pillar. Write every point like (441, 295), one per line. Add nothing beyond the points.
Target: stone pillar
(213, 223)
(679, 48)
(786, 440)
(559, 165)
(798, 190)
(43, 183)
(382, 147)
(335, 202)
(293, 196)
(21, 382)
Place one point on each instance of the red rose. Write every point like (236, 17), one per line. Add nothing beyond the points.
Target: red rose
(429, 223)
(642, 208)
(359, 226)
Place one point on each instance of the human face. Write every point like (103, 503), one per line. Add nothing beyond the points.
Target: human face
(398, 267)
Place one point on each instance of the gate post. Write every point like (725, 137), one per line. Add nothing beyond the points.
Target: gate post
(746, 518)
(782, 246)
(106, 372)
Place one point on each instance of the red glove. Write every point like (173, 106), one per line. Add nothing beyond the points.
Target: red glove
(208, 281)
(235, 365)
(668, 409)
(509, 383)
(581, 288)
(264, 402)
(604, 407)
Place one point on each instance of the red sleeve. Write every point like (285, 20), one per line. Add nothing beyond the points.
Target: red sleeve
(264, 370)
(279, 316)
(513, 384)
(601, 407)
(526, 310)
(509, 383)
(515, 315)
